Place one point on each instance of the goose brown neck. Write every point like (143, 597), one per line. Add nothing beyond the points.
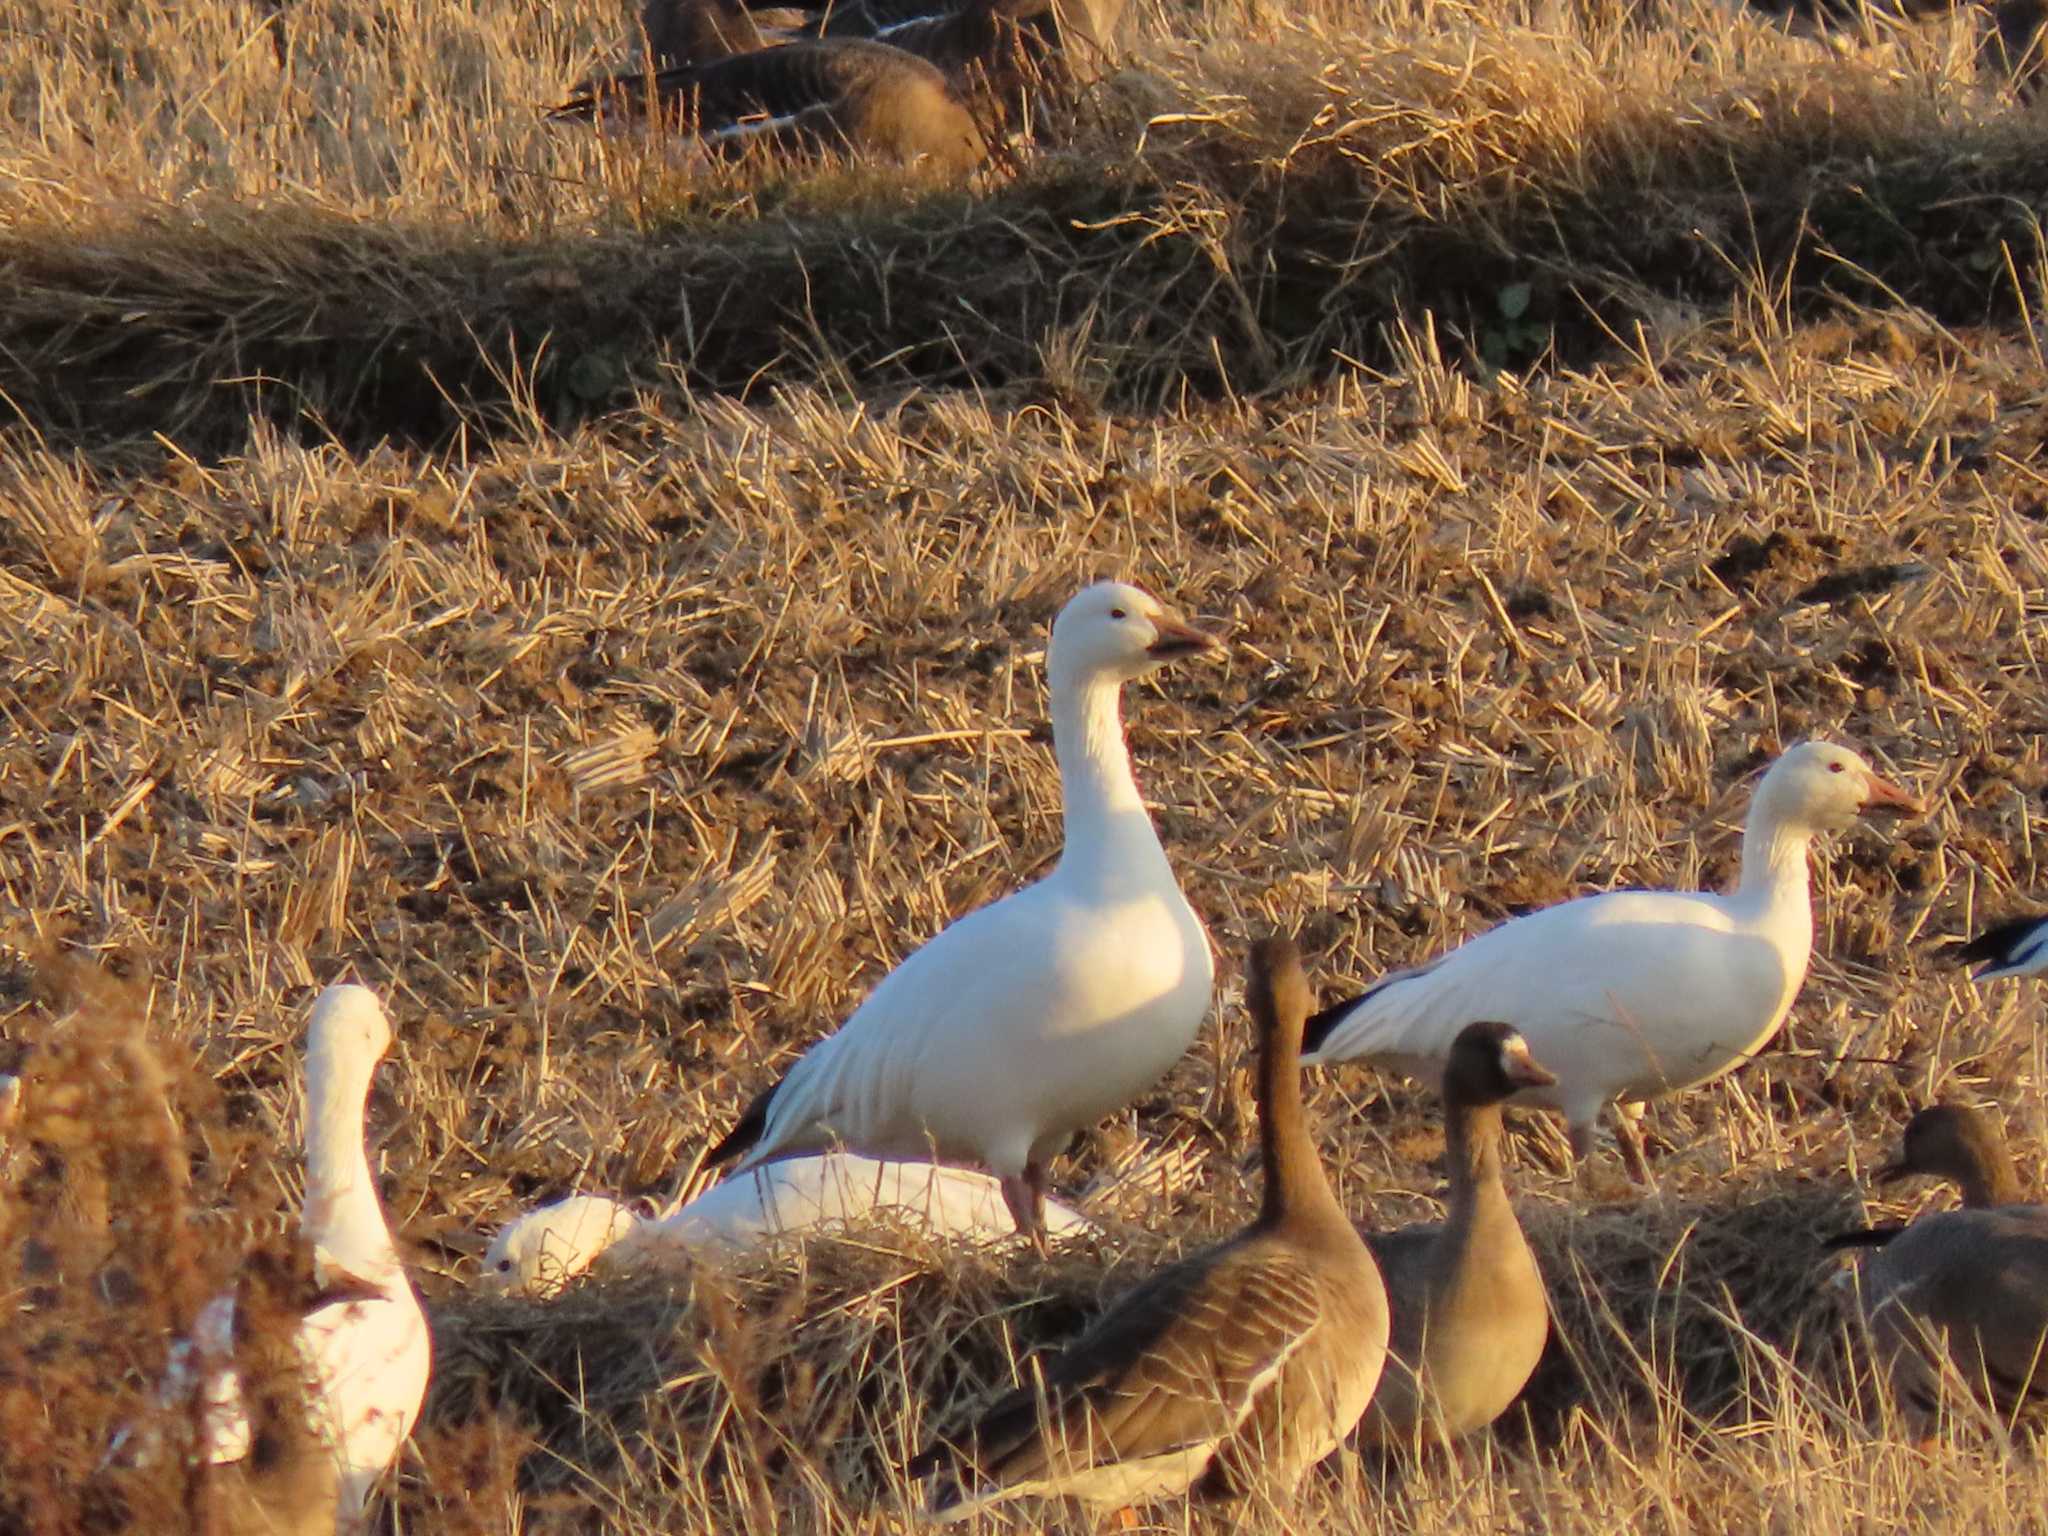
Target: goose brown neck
(1295, 1189)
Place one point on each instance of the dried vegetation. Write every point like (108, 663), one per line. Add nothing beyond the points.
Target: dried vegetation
(621, 755)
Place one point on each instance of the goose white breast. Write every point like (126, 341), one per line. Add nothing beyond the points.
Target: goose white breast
(1631, 995)
(1028, 1020)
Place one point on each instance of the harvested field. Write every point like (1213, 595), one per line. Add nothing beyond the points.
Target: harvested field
(621, 709)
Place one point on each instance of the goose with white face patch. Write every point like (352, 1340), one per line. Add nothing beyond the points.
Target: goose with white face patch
(1630, 995)
(364, 1340)
(1030, 1019)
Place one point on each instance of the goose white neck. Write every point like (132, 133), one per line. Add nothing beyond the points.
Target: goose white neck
(341, 1212)
(1774, 860)
(1105, 815)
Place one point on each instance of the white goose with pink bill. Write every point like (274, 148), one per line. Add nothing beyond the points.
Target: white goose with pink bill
(1627, 996)
(1032, 1018)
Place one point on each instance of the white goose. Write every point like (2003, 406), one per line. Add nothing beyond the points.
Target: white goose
(366, 1351)
(1630, 995)
(539, 1253)
(795, 1195)
(1036, 1016)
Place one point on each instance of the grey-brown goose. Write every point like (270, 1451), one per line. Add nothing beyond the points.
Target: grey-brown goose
(1238, 1367)
(844, 94)
(1470, 1315)
(1964, 1289)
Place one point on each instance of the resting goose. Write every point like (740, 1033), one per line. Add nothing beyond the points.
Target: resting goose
(2018, 946)
(796, 1195)
(363, 1341)
(1236, 1369)
(1469, 1313)
(1962, 1290)
(990, 50)
(1630, 995)
(844, 94)
(539, 1253)
(1032, 1018)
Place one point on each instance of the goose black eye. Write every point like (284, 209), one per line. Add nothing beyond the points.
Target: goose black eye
(1835, 767)
(504, 1265)
(1118, 613)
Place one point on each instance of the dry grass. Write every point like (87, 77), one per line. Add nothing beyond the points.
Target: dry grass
(622, 755)
(354, 221)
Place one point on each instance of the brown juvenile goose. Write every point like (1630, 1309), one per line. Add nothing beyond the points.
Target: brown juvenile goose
(1240, 1366)
(844, 94)
(1966, 1289)
(1470, 1316)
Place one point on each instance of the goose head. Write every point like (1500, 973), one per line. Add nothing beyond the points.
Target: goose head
(1820, 787)
(1116, 632)
(539, 1253)
(1948, 1141)
(348, 1029)
(1490, 1062)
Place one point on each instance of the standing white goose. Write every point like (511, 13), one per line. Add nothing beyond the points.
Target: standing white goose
(1630, 995)
(1034, 1017)
(366, 1350)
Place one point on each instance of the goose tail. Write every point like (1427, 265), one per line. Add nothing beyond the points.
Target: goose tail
(1354, 1029)
(746, 1132)
(2017, 946)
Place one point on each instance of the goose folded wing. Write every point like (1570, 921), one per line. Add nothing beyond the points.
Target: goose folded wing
(1175, 1368)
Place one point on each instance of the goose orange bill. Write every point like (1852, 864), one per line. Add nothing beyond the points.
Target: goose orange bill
(1177, 639)
(1881, 794)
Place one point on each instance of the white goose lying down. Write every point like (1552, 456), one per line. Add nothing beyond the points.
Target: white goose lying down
(1630, 995)
(363, 1340)
(1030, 1019)
(795, 1195)
(540, 1252)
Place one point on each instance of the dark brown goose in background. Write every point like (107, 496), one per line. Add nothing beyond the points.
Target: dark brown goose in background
(1960, 1294)
(866, 97)
(681, 32)
(1237, 1368)
(1470, 1314)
